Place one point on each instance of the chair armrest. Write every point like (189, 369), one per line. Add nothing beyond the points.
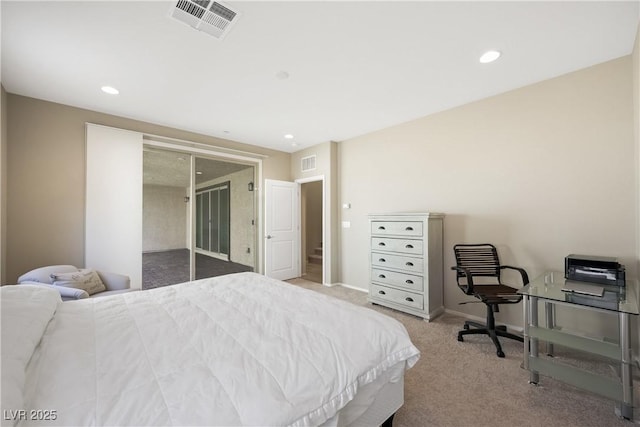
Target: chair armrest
(65, 292)
(468, 289)
(115, 281)
(525, 276)
(71, 293)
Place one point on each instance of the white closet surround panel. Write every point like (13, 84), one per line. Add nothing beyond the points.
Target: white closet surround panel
(113, 209)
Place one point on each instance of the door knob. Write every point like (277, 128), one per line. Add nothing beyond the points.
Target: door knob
(269, 236)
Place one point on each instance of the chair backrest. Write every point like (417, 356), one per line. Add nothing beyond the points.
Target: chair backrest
(43, 274)
(480, 259)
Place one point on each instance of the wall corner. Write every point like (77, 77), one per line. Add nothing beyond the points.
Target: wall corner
(636, 135)
(3, 185)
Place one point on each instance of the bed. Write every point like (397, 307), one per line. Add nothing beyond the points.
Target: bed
(240, 349)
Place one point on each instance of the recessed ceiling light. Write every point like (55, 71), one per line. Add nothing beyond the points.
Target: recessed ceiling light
(198, 173)
(110, 90)
(288, 136)
(490, 56)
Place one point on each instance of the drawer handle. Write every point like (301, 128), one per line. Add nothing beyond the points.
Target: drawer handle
(409, 282)
(382, 244)
(382, 260)
(409, 229)
(409, 299)
(409, 264)
(382, 276)
(382, 292)
(381, 227)
(409, 246)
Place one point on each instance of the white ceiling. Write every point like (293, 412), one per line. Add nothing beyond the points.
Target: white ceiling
(354, 67)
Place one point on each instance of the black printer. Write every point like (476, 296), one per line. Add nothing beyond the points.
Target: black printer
(595, 269)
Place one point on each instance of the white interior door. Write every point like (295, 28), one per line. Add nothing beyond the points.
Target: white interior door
(113, 211)
(282, 229)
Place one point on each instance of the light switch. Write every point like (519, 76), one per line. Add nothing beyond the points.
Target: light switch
(346, 224)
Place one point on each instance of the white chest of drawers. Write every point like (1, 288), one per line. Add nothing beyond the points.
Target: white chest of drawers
(406, 262)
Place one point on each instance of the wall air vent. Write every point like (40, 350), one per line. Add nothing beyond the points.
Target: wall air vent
(308, 163)
(211, 17)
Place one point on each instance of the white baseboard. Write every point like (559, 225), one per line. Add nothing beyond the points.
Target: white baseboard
(482, 319)
(366, 291)
(446, 310)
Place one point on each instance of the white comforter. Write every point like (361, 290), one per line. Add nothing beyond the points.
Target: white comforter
(235, 350)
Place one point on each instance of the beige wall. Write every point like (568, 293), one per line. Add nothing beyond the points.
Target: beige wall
(164, 218)
(45, 158)
(3, 185)
(542, 172)
(326, 165)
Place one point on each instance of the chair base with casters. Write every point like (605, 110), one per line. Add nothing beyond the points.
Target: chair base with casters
(480, 261)
(490, 328)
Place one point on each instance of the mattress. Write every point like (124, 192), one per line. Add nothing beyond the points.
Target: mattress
(240, 349)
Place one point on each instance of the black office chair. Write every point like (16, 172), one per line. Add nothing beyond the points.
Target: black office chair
(475, 261)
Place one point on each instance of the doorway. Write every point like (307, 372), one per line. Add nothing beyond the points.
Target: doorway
(311, 212)
(295, 229)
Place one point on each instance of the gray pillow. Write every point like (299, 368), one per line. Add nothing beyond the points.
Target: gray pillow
(86, 279)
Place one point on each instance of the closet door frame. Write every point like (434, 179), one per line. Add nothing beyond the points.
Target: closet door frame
(218, 153)
(217, 188)
(122, 253)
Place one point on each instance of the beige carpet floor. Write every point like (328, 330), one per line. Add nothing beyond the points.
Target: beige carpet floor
(466, 384)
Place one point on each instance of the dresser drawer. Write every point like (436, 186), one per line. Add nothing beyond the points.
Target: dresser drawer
(397, 296)
(399, 280)
(397, 245)
(397, 228)
(400, 262)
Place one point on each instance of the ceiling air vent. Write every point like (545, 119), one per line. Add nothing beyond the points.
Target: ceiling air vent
(308, 163)
(212, 17)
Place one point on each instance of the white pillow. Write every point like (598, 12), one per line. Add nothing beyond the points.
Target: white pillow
(86, 279)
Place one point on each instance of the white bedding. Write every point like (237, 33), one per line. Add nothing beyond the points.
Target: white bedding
(240, 349)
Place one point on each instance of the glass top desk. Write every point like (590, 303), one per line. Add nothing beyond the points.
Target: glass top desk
(617, 301)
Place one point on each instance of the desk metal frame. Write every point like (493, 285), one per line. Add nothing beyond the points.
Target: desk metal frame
(619, 390)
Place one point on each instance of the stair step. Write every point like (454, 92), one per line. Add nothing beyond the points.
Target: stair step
(318, 251)
(315, 259)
